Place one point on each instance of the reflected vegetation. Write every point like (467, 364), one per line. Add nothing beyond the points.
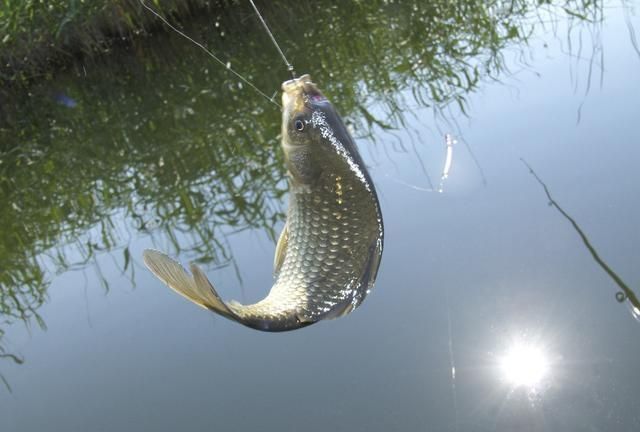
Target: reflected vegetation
(156, 140)
(626, 294)
(37, 36)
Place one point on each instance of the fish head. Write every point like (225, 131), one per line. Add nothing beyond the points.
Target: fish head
(314, 138)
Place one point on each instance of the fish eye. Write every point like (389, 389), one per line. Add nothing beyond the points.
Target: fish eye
(299, 125)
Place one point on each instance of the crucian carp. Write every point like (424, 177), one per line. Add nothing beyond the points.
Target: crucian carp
(327, 256)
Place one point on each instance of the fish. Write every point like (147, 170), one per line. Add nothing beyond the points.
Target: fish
(328, 254)
(65, 100)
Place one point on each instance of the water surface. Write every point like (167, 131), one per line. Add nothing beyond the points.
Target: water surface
(157, 146)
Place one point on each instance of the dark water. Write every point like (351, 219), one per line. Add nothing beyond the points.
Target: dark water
(156, 146)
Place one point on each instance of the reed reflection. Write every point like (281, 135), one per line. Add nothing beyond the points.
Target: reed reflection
(626, 294)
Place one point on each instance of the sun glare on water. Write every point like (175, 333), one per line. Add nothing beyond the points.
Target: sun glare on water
(524, 365)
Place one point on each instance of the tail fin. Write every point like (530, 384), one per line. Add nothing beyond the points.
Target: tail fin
(198, 289)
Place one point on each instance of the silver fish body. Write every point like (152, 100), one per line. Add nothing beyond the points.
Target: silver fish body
(328, 254)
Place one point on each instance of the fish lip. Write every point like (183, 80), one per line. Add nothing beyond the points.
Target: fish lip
(297, 84)
(302, 86)
(300, 94)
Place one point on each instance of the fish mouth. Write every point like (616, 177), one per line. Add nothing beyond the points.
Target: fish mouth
(298, 93)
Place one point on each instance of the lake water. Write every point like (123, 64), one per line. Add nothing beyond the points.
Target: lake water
(489, 312)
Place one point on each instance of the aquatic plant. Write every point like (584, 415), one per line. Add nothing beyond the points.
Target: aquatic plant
(37, 35)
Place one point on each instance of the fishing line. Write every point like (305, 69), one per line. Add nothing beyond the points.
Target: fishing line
(407, 184)
(212, 55)
(448, 161)
(454, 393)
(273, 39)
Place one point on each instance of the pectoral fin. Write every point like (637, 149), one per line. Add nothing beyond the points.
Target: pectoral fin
(281, 250)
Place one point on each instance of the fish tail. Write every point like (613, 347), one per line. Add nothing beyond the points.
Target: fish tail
(196, 288)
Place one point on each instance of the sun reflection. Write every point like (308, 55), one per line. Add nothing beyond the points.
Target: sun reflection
(524, 365)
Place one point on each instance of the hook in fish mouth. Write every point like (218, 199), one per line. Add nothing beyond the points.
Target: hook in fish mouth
(298, 93)
(297, 83)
